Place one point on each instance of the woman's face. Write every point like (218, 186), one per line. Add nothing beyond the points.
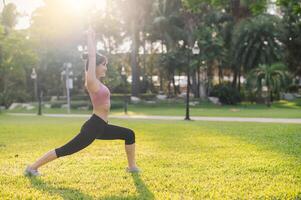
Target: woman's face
(101, 70)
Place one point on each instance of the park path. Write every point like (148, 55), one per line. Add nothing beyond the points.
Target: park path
(223, 119)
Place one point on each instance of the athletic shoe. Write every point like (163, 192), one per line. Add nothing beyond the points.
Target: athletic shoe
(31, 172)
(133, 170)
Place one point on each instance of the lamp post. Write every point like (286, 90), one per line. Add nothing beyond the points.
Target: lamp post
(195, 51)
(34, 77)
(123, 75)
(69, 82)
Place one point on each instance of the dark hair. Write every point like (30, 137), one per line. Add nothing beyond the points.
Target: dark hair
(100, 59)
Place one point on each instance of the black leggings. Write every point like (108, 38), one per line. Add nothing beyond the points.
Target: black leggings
(95, 128)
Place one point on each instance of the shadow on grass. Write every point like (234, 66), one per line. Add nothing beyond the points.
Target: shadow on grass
(142, 190)
(65, 193)
(70, 193)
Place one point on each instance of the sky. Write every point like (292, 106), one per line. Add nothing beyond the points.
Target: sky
(26, 7)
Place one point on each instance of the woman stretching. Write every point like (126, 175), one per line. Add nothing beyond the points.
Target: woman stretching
(97, 126)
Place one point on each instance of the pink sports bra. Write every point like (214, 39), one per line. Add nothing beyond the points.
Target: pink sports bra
(101, 98)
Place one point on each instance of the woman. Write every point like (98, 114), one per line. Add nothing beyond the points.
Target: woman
(97, 126)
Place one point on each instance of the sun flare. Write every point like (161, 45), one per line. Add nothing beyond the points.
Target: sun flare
(81, 6)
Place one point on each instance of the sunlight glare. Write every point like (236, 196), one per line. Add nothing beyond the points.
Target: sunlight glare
(80, 6)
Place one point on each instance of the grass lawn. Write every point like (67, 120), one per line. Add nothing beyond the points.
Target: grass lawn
(281, 109)
(180, 160)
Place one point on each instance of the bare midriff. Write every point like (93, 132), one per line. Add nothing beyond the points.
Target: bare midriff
(101, 102)
(103, 114)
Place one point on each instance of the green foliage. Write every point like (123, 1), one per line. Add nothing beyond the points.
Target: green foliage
(9, 16)
(272, 76)
(232, 35)
(291, 39)
(256, 41)
(168, 24)
(16, 60)
(226, 94)
(256, 7)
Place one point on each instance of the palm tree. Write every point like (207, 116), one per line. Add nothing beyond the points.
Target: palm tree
(167, 23)
(291, 20)
(167, 27)
(256, 41)
(134, 22)
(272, 76)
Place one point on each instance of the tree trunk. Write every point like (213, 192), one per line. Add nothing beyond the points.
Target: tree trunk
(239, 74)
(269, 96)
(174, 84)
(220, 74)
(198, 83)
(235, 7)
(134, 64)
(234, 81)
(161, 81)
(209, 77)
(144, 57)
(168, 87)
(194, 83)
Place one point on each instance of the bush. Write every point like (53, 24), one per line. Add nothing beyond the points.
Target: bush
(293, 88)
(147, 97)
(78, 104)
(117, 104)
(226, 94)
(144, 96)
(57, 104)
(80, 98)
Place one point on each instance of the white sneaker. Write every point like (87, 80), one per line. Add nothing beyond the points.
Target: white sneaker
(31, 172)
(133, 170)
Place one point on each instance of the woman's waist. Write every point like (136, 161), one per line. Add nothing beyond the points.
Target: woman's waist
(102, 107)
(102, 114)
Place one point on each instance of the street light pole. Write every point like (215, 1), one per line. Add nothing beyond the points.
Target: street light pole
(38, 98)
(68, 66)
(33, 76)
(123, 75)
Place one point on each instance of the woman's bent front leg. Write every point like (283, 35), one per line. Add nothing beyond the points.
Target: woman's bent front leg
(112, 132)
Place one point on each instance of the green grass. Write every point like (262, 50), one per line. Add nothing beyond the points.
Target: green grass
(281, 109)
(180, 160)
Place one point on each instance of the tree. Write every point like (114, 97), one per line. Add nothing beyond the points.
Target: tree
(55, 39)
(168, 24)
(273, 76)
(291, 10)
(133, 20)
(16, 59)
(168, 28)
(9, 17)
(214, 38)
(256, 41)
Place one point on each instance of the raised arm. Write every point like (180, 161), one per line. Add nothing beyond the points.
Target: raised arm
(92, 82)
